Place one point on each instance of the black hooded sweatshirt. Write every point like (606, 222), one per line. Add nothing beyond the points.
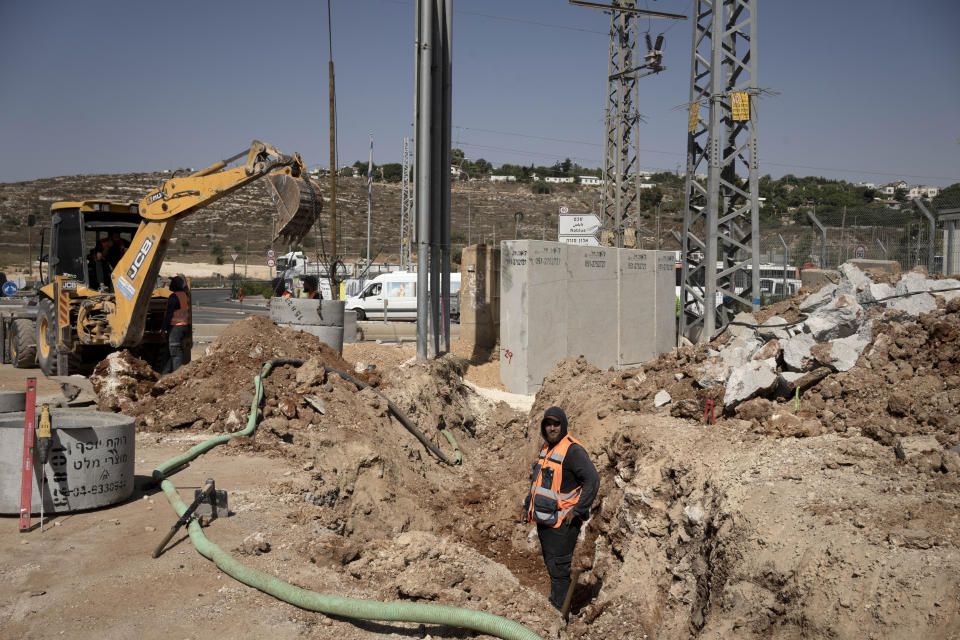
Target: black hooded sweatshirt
(578, 470)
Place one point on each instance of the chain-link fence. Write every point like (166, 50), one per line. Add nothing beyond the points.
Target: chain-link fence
(919, 233)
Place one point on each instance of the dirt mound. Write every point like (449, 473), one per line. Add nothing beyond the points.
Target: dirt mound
(120, 380)
(215, 390)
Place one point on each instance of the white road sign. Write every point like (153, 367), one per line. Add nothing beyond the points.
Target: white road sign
(271, 254)
(587, 241)
(585, 224)
(271, 262)
(234, 256)
(564, 210)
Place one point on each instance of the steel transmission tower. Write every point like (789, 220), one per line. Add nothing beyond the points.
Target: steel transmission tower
(721, 229)
(406, 209)
(620, 205)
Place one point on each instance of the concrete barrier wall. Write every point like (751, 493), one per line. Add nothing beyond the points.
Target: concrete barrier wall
(616, 307)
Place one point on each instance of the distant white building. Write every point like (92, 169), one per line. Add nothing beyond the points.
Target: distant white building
(923, 191)
(647, 185)
(503, 178)
(557, 179)
(591, 180)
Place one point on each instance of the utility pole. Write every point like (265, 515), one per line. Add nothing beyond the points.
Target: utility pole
(621, 176)
(721, 218)
(332, 267)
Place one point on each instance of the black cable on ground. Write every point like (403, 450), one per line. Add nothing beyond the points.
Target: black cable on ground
(394, 409)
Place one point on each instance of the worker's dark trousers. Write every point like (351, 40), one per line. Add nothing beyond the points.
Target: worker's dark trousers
(557, 546)
(175, 343)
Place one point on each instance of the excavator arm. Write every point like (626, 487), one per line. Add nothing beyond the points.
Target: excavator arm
(297, 199)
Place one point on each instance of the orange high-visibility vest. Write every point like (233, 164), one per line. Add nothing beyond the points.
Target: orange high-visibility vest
(181, 316)
(547, 505)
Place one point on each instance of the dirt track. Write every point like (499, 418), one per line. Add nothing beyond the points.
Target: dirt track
(725, 530)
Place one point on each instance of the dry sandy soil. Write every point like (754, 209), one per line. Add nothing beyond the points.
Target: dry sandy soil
(742, 529)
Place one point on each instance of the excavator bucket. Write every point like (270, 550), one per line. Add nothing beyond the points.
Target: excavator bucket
(298, 202)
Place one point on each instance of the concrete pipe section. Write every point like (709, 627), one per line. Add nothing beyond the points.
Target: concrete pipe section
(90, 463)
(12, 401)
(322, 318)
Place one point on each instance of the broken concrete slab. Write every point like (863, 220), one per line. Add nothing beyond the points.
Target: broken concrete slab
(713, 371)
(661, 398)
(770, 350)
(941, 288)
(839, 318)
(855, 282)
(744, 333)
(796, 352)
(818, 299)
(912, 306)
(753, 378)
(773, 328)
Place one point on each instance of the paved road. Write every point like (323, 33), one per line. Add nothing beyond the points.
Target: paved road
(214, 306)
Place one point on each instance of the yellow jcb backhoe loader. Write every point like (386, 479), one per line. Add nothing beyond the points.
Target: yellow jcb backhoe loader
(99, 291)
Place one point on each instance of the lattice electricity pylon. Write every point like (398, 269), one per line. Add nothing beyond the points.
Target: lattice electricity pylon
(620, 203)
(406, 209)
(721, 229)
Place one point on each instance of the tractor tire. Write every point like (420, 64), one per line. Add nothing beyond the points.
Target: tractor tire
(47, 337)
(23, 344)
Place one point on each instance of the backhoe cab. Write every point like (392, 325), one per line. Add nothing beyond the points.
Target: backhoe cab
(100, 289)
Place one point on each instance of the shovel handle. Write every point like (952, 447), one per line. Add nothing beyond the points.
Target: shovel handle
(166, 539)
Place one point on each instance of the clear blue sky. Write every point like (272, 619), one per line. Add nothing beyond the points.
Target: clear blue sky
(868, 90)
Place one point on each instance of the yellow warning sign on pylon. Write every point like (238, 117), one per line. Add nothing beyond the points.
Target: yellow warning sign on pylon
(694, 116)
(740, 105)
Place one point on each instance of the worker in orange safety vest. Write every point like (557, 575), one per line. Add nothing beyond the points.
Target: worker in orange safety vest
(176, 323)
(563, 486)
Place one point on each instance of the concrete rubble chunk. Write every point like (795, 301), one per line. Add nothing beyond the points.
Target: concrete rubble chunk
(661, 398)
(844, 352)
(796, 352)
(855, 282)
(772, 329)
(839, 318)
(939, 287)
(739, 350)
(753, 378)
(911, 447)
(770, 350)
(818, 299)
(694, 514)
(737, 331)
(713, 371)
(913, 282)
(913, 305)
(882, 290)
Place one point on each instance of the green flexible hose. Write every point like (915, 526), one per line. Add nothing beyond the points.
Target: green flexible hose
(310, 600)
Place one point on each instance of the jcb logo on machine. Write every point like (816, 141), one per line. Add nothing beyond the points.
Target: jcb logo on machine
(140, 258)
(158, 195)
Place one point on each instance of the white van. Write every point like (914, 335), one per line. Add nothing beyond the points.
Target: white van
(397, 293)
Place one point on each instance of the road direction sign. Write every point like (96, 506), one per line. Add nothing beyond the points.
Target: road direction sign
(585, 224)
(271, 254)
(234, 256)
(586, 241)
(10, 288)
(861, 251)
(271, 262)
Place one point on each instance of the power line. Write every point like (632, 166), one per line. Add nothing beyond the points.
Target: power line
(509, 19)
